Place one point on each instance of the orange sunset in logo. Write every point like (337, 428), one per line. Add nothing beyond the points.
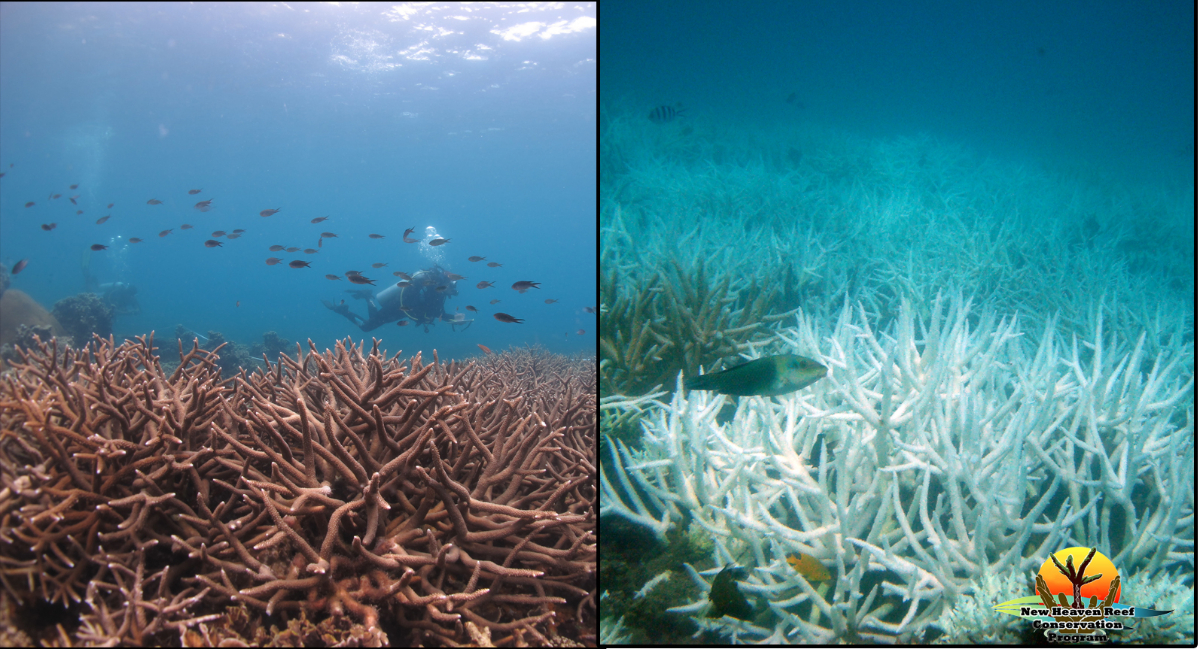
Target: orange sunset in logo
(1057, 582)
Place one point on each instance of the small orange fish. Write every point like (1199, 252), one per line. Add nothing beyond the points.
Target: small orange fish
(299, 264)
(406, 233)
(378, 265)
(484, 284)
(134, 240)
(97, 246)
(164, 233)
(492, 264)
(504, 317)
(375, 236)
(333, 277)
(273, 260)
(267, 212)
(154, 201)
(276, 248)
(105, 218)
(185, 226)
(476, 258)
(212, 243)
(319, 219)
(439, 242)
(485, 349)
(809, 567)
(193, 192)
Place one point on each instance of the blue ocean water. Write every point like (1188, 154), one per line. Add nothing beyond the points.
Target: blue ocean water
(1104, 84)
(477, 120)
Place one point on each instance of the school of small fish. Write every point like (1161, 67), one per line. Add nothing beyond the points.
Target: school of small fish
(661, 114)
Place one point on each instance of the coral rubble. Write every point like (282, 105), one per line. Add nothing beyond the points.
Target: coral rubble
(341, 497)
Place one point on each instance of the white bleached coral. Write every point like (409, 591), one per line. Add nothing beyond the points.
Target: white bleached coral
(939, 450)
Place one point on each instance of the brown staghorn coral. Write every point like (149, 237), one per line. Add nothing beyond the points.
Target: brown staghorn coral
(438, 502)
(675, 321)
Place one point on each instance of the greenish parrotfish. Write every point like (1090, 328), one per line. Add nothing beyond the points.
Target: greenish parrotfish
(767, 377)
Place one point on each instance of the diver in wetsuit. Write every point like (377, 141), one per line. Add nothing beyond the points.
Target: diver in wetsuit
(419, 301)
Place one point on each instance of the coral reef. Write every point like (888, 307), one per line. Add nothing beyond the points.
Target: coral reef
(231, 356)
(17, 308)
(272, 345)
(337, 497)
(651, 329)
(948, 443)
(611, 632)
(948, 447)
(28, 337)
(83, 315)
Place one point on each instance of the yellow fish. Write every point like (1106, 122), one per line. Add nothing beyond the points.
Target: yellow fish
(809, 567)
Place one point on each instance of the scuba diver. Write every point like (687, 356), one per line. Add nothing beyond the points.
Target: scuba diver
(121, 297)
(420, 300)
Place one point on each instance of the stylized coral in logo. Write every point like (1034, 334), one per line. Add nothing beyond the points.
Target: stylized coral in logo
(1059, 576)
(1067, 578)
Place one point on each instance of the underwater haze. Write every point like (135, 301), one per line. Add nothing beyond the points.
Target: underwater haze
(898, 302)
(472, 123)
